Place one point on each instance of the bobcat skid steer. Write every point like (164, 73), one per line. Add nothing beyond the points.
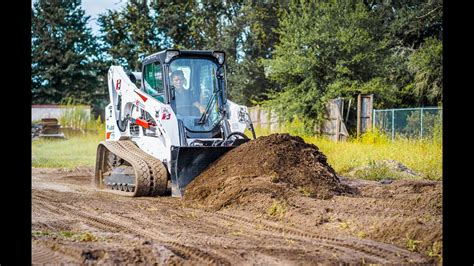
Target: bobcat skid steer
(152, 138)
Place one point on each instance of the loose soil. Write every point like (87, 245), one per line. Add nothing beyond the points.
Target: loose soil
(270, 201)
(272, 167)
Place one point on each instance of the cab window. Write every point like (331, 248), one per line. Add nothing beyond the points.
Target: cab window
(153, 81)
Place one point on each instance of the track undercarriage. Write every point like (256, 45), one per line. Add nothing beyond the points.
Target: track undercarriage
(123, 168)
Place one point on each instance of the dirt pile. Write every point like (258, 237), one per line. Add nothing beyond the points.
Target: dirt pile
(269, 168)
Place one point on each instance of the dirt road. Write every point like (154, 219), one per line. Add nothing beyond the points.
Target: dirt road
(72, 222)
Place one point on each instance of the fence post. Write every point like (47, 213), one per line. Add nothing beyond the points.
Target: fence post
(393, 124)
(359, 104)
(373, 119)
(421, 123)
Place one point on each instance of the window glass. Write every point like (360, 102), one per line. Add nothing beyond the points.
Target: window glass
(154, 81)
(194, 82)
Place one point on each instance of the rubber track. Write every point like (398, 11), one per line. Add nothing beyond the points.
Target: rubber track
(151, 176)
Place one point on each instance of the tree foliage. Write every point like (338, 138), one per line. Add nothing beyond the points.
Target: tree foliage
(129, 34)
(330, 49)
(248, 82)
(63, 53)
(326, 50)
(291, 55)
(426, 64)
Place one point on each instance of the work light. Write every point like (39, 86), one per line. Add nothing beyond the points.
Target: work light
(170, 54)
(220, 57)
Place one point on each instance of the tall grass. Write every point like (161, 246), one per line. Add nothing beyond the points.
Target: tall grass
(77, 120)
(83, 134)
(422, 156)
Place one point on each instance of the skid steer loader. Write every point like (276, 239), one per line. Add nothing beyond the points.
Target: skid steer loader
(152, 139)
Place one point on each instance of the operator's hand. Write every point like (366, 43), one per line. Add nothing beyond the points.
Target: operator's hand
(200, 107)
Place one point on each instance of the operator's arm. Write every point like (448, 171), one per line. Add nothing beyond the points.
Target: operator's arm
(198, 105)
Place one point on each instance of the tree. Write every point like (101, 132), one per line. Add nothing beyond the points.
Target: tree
(130, 34)
(63, 53)
(426, 64)
(406, 26)
(174, 19)
(248, 83)
(325, 50)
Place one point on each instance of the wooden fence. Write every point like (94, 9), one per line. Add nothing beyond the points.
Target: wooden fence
(333, 126)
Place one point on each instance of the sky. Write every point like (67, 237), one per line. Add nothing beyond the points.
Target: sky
(94, 7)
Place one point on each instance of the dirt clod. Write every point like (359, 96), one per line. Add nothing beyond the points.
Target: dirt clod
(276, 166)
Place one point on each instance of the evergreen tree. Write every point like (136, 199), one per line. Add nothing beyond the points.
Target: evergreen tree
(175, 19)
(63, 51)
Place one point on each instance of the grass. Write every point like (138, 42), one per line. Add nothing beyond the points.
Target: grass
(67, 235)
(78, 149)
(68, 153)
(304, 191)
(412, 244)
(436, 250)
(278, 209)
(422, 156)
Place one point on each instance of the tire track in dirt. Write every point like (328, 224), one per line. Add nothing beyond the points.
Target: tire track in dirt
(44, 255)
(338, 250)
(345, 248)
(185, 218)
(147, 228)
(364, 250)
(116, 224)
(188, 222)
(380, 253)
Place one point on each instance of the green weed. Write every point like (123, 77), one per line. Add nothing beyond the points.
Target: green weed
(67, 235)
(305, 191)
(344, 225)
(361, 234)
(435, 250)
(412, 244)
(278, 209)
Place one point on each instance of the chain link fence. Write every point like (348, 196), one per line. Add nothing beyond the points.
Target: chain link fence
(412, 123)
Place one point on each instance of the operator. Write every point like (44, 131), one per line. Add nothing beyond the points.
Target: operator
(183, 96)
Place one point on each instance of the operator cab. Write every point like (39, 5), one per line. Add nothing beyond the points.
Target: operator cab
(192, 82)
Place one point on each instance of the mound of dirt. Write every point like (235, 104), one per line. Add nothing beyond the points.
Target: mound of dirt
(268, 168)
